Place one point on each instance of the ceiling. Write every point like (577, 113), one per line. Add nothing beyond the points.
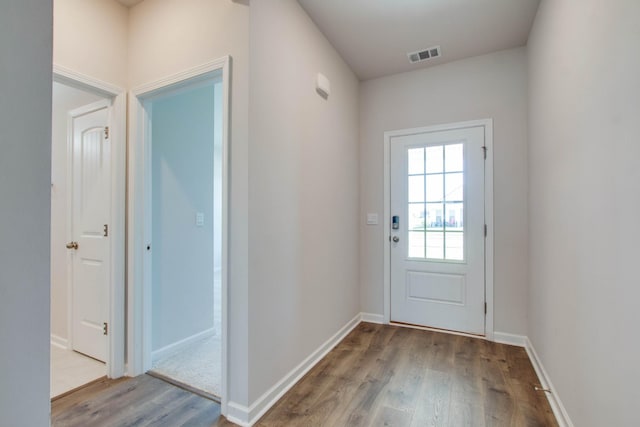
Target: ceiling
(374, 36)
(129, 3)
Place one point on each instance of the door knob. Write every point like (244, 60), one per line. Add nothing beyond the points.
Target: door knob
(395, 239)
(72, 245)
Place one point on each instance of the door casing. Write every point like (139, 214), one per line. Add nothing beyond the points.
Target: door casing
(487, 124)
(117, 127)
(138, 214)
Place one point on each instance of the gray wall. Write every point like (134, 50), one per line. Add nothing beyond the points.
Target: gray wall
(303, 192)
(488, 86)
(182, 185)
(25, 165)
(584, 198)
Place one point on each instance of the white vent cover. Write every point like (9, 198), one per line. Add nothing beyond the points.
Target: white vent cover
(423, 55)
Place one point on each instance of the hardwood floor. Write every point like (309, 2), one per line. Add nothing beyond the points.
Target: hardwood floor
(384, 375)
(379, 375)
(139, 401)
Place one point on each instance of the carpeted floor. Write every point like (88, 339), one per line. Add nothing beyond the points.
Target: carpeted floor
(197, 365)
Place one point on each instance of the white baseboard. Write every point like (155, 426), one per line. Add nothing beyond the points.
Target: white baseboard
(247, 416)
(176, 346)
(554, 399)
(511, 339)
(372, 318)
(59, 342)
(238, 414)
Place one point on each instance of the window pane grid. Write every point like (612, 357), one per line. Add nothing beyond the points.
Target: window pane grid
(436, 202)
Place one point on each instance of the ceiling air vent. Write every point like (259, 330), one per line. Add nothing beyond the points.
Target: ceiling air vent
(423, 55)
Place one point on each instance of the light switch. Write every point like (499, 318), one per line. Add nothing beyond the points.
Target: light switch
(372, 219)
(199, 219)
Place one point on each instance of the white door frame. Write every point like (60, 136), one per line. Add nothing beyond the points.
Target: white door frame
(139, 213)
(488, 211)
(117, 127)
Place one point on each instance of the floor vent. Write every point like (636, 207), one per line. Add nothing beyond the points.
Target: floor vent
(423, 55)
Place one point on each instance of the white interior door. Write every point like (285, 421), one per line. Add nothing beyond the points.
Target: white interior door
(91, 169)
(438, 229)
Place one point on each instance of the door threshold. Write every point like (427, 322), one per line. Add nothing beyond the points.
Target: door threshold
(432, 329)
(103, 379)
(184, 386)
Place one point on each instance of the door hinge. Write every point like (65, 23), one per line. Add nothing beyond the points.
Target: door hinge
(106, 230)
(485, 230)
(106, 132)
(485, 308)
(105, 328)
(484, 150)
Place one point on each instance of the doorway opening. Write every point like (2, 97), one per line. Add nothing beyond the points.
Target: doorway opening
(87, 233)
(178, 185)
(186, 235)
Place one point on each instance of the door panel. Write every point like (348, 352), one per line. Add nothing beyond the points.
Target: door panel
(437, 249)
(90, 214)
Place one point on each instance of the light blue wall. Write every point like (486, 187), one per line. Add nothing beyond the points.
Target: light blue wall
(183, 130)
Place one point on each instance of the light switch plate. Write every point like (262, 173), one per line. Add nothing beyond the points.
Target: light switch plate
(199, 219)
(372, 219)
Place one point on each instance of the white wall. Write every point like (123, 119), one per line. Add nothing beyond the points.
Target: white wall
(303, 192)
(584, 111)
(90, 37)
(169, 36)
(25, 143)
(65, 99)
(488, 86)
(182, 182)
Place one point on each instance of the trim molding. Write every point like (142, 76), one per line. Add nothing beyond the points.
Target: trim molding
(59, 342)
(238, 414)
(247, 416)
(82, 81)
(117, 121)
(372, 318)
(176, 346)
(183, 78)
(554, 399)
(510, 339)
(545, 382)
(139, 352)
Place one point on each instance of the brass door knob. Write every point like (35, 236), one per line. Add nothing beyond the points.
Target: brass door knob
(72, 245)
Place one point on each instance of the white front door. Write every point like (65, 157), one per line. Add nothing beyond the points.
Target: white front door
(437, 229)
(91, 178)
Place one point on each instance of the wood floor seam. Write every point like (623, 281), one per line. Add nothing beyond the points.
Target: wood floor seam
(378, 375)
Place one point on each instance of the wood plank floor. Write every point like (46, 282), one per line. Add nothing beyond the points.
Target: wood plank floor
(383, 375)
(139, 401)
(379, 375)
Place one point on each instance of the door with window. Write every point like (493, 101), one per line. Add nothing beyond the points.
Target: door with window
(438, 229)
